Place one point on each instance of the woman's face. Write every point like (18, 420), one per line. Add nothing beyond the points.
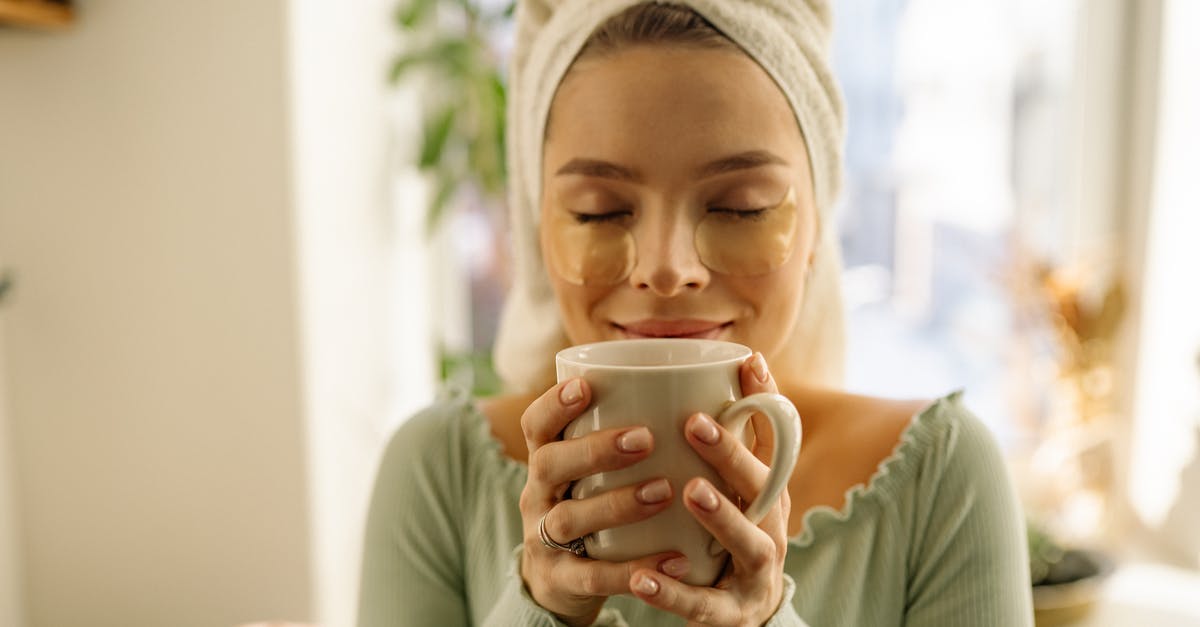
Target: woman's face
(650, 155)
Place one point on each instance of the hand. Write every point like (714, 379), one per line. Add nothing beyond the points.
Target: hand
(751, 589)
(575, 588)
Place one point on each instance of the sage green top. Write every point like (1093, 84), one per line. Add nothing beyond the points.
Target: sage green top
(935, 538)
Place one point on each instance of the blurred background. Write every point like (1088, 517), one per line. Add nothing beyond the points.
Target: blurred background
(240, 242)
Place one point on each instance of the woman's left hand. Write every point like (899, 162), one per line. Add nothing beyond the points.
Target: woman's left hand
(751, 589)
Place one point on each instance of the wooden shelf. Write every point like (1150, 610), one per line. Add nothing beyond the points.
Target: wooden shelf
(36, 14)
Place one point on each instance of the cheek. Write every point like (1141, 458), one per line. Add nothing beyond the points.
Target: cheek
(576, 306)
(588, 254)
(749, 247)
(576, 298)
(776, 298)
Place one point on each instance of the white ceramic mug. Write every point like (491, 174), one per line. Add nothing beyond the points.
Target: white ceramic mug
(659, 383)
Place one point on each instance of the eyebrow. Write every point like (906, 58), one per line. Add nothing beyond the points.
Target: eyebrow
(604, 169)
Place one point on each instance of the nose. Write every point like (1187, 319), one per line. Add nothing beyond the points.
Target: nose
(667, 261)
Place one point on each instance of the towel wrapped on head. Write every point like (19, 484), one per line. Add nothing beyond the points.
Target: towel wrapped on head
(790, 41)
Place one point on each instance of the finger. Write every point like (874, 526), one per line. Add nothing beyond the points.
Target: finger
(560, 462)
(751, 547)
(549, 414)
(755, 377)
(576, 518)
(597, 578)
(740, 468)
(697, 604)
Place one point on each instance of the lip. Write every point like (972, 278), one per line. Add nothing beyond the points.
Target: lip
(690, 328)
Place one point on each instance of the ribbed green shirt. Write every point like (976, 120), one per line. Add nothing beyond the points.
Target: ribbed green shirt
(935, 538)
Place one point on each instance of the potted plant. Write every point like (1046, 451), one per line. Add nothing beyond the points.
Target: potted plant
(453, 49)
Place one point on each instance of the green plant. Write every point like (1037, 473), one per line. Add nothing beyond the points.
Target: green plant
(472, 371)
(463, 95)
(1044, 552)
(448, 47)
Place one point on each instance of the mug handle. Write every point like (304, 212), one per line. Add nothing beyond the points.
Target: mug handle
(785, 421)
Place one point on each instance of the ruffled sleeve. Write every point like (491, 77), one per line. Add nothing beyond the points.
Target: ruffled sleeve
(968, 561)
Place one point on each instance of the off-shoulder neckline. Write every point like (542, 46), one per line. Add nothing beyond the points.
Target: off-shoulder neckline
(893, 469)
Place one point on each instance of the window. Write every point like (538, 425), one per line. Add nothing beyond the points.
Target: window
(955, 169)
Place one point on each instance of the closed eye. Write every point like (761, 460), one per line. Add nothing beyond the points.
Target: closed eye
(611, 216)
(741, 214)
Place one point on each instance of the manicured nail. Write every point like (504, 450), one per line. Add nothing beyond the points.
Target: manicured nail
(571, 393)
(705, 497)
(675, 567)
(645, 585)
(704, 429)
(634, 440)
(759, 365)
(654, 492)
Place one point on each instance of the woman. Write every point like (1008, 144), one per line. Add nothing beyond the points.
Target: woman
(687, 162)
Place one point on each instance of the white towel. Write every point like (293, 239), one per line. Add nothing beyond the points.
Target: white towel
(790, 40)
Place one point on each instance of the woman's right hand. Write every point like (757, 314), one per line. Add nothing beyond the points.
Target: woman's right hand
(575, 588)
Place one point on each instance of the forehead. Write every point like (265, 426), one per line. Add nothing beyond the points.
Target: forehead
(661, 105)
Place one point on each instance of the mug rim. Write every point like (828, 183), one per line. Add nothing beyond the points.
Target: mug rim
(572, 354)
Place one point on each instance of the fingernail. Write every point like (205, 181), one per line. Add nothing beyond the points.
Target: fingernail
(704, 497)
(759, 365)
(704, 429)
(571, 393)
(645, 585)
(634, 440)
(654, 492)
(675, 567)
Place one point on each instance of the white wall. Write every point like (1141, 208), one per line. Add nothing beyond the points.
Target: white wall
(152, 350)
(12, 603)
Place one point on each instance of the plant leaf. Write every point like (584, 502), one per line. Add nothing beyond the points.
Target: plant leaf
(403, 64)
(453, 54)
(433, 140)
(499, 139)
(469, 8)
(444, 187)
(456, 55)
(414, 13)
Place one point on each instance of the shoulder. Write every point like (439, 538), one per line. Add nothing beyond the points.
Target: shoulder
(878, 421)
(859, 431)
(968, 546)
(431, 446)
(433, 426)
(923, 442)
(943, 429)
(960, 473)
(955, 440)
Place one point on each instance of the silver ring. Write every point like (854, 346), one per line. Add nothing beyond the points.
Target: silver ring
(575, 546)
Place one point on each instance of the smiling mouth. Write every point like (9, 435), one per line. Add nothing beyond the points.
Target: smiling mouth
(692, 329)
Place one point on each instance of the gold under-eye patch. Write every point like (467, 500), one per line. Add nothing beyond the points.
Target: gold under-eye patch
(603, 252)
(590, 253)
(749, 244)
